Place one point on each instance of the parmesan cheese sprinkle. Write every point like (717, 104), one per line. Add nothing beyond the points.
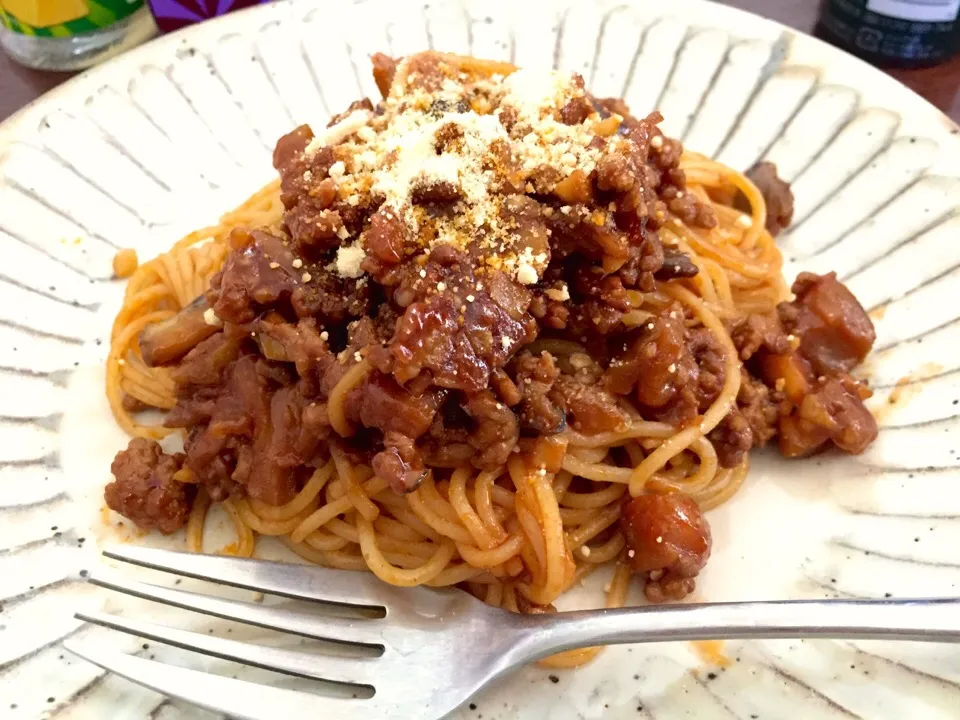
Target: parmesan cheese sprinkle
(210, 318)
(466, 140)
(349, 258)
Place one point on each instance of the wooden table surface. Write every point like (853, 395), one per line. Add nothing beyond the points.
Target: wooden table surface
(940, 85)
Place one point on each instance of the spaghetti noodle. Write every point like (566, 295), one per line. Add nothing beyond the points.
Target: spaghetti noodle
(520, 530)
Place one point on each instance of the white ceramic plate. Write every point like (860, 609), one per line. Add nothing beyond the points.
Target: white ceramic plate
(165, 138)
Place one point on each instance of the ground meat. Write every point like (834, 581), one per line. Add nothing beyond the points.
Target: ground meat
(756, 332)
(144, 490)
(688, 208)
(495, 430)
(645, 260)
(670, 540)
(753, 423)
(732, 439)
(330, 298)
(760, 407)
(312, 216)
(616, 172)
(776, 194)
(711, 365)
(535, 377)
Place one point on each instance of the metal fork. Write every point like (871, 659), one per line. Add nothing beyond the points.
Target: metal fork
(428, 651)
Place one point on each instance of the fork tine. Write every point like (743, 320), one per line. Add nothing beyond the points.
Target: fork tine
(362, 632)
(350, 671)
(235, 698)
(301, 582)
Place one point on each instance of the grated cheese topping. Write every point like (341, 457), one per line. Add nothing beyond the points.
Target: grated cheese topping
(337, 133)
(348, 262)
(560, 294)
(210, 318)
(469, 140)
(478, 140)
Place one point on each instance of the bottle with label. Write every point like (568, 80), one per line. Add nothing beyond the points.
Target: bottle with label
(893, 33)
(71, 34)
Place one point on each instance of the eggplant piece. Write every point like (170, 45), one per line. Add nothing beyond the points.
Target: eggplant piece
(170, 340)
(676, 264)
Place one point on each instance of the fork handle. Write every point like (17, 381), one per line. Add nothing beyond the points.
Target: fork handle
(933, 620)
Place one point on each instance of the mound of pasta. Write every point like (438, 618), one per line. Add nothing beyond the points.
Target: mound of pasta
(491, 332)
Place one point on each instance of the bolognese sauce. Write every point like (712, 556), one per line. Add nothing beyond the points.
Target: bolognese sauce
(491, 331)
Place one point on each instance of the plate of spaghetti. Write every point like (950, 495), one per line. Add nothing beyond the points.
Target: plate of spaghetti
(557, 324)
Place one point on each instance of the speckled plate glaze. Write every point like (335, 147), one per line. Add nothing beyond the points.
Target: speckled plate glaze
(167, 137)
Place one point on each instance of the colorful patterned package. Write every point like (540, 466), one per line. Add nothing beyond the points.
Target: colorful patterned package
(175, 14)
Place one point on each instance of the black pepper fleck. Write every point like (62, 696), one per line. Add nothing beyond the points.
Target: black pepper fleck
(554, 679)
